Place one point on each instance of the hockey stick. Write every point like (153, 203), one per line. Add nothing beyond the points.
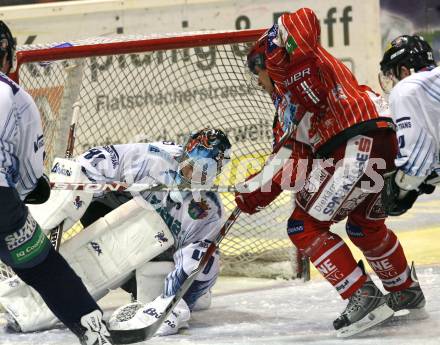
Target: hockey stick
(142, 334)
(56, 233)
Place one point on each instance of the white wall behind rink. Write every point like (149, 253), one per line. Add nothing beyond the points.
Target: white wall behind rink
(349, 29)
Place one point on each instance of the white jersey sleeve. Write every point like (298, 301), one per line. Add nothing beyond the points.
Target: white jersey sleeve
(131, 163)
(21, 138)
(414, 104)
(201, 222)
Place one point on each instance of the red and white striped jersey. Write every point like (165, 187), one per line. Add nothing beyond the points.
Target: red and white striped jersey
(295, 40)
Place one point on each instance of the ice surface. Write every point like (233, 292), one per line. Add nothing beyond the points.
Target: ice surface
(270, 312)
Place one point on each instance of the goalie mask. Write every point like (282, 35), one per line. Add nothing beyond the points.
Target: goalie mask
(206, 152)
(7, 46)
(412, 52)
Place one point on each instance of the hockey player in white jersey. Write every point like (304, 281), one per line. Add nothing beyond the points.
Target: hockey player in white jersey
(23, 246)
(410, 76)
(147, 243)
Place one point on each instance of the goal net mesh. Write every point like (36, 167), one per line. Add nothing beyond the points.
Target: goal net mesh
(164, 94)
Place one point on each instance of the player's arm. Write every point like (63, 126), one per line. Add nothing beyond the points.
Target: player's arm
(416, 155)
(257, 200)
(298, 33)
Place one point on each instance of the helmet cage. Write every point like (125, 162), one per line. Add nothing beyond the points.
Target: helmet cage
(206, 152)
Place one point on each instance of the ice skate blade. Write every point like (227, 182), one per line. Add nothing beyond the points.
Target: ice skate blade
(410, 315)
(378, 315)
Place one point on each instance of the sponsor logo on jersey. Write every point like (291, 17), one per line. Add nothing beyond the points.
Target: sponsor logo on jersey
(22, 235)
(174, 225)
(333, 196)
(78, 203)
(96, 247)
(60, 169)
(354, 230)
(291, 44)
(294, 226)
(198, 210)
(39, 143)
(114, 157)
(404, 122)
(297, 76)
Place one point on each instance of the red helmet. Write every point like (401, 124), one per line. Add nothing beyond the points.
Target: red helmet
(257, 55)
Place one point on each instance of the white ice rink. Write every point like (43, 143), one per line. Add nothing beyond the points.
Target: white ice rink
(248, 311)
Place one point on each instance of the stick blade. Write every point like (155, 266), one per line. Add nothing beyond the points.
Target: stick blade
(132, 336)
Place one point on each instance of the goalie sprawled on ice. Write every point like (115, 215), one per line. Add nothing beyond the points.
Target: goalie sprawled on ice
(126, 235)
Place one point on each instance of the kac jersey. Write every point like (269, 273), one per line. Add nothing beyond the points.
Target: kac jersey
(296, 38)
(194, 222)
(21, 138)
(415, 107)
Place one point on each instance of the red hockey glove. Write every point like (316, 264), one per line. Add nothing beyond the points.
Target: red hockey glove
(254, 202)
(304, 82)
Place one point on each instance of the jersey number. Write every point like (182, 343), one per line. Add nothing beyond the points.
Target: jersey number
(197, 255)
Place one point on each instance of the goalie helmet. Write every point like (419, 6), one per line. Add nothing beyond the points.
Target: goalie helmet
(7, 45)
(412, 52)
(206, 152)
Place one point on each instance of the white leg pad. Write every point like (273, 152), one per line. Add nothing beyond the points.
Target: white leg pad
(63, 205)
(103, 255)
(150, 280)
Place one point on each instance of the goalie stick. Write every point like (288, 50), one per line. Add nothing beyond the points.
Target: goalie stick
(56, 233)
(142, 334)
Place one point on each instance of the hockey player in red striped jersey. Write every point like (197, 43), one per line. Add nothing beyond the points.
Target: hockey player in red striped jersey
(348, 129)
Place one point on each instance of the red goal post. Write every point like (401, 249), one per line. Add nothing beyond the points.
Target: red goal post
(161, 87)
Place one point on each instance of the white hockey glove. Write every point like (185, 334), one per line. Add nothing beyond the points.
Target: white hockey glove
(135, 316)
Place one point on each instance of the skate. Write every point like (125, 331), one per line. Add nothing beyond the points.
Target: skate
(94, 330)
(408, 304)
(366, 308)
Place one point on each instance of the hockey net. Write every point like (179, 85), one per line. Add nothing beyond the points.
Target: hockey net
(161, 87)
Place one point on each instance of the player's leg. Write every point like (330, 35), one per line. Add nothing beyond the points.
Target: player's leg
(327, 252)
(386, 257)
(25, 248)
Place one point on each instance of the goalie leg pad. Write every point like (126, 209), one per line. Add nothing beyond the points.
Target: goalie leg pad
(150, 279)
(103, 255)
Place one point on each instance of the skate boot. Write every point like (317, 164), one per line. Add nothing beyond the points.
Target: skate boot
(366, 308)
(93, 330)
(409, 303)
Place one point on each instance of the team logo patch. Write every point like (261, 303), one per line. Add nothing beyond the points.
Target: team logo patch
(198, 210)
(160, 236)
(78, 202)
(291, 44)
(294, 226)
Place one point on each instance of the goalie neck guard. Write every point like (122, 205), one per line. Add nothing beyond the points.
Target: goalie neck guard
(206, 152)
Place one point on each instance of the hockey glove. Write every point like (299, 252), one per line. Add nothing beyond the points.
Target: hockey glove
(394, 203)
(304, 82)
(255, 201)
(41, 192)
